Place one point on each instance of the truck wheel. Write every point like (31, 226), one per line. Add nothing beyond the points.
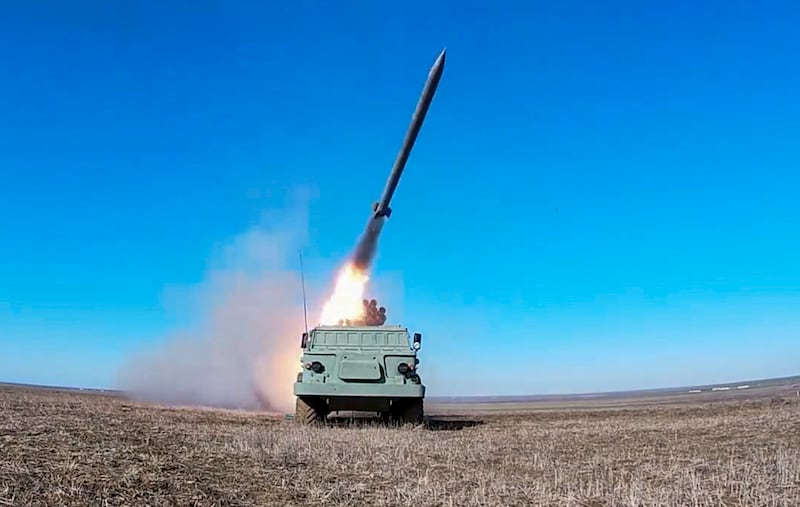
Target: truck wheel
(305, 413)
(412, 412)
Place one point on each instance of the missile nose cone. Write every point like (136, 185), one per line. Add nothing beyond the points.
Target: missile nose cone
(440, 59)
(438, 66)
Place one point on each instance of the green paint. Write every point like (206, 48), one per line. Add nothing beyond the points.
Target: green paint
(370, 368)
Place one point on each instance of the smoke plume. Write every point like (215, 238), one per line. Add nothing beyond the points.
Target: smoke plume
(367, 245)
(244, 354)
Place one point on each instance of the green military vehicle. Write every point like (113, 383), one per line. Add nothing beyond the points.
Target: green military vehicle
(363, 366)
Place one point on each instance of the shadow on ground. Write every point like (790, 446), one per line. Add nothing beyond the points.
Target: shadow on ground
(441, 424)
(431, 423)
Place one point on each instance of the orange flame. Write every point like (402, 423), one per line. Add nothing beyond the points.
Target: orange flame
(346, 301)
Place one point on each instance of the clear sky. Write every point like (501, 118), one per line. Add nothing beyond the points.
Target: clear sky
(603, 196)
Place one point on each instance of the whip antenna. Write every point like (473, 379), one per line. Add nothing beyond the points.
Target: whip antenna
(303, 283)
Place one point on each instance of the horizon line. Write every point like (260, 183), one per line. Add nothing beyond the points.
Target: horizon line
(751, 383)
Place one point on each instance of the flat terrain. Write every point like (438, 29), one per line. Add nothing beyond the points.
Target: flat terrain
(736, 391)
(74, 448)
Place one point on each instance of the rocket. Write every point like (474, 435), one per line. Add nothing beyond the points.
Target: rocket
(367, 244)
(381, 208)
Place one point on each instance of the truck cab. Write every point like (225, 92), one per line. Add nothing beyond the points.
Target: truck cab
(362, 368)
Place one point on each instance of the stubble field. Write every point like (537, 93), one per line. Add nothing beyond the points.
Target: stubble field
(65, 448)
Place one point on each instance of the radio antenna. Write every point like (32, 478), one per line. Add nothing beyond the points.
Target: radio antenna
(303, 283)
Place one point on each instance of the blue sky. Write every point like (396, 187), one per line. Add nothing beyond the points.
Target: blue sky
(602, 197)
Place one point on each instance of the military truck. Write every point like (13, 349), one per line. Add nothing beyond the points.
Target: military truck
(363, 366)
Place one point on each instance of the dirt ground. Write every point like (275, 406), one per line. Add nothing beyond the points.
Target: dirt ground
(71, 448)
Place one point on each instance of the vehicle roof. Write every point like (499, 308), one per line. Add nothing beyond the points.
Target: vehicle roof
(361, 328)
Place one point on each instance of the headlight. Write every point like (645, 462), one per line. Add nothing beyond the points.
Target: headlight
(317, 367)
(403, 368)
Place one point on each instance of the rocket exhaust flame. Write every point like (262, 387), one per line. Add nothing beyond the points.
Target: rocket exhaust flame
(345, 303)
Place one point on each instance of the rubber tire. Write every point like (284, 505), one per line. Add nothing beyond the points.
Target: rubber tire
(412, 412)
(305, 413)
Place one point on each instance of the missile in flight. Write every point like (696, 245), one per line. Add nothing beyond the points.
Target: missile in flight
(381, 210)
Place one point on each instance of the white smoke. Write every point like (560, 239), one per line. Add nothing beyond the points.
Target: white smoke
(245, 352)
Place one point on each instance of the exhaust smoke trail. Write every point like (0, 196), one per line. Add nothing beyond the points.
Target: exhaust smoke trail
(345, 303)
(244, 354)
(367, 245)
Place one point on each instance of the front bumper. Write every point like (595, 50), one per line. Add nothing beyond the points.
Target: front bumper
(364, 390)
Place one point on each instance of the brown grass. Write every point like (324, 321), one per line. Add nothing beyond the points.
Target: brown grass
(77, 449)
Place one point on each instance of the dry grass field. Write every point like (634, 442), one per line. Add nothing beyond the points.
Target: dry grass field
(63, 448)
